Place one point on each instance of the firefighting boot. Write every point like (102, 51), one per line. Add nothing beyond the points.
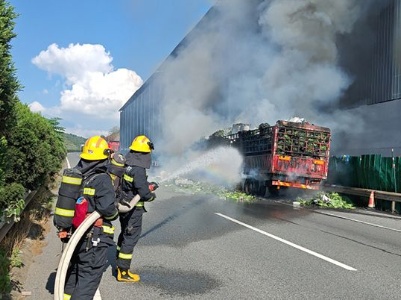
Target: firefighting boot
(124, 275)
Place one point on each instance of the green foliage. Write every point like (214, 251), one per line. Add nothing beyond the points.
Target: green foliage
(199, 187)
(35, 149)
(218, 133)
(73, 142)
(31, 146)
(5, 280)
(11, 201)
(329, 200)
(16, 261)
(3, 159)
(8, 84)
(235, 195)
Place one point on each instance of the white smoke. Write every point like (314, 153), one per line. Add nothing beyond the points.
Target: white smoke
(256, 62)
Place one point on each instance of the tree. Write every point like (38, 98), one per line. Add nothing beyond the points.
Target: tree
(9, 84)
(35, 149)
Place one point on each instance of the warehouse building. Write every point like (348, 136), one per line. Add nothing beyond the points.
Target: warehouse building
(376, 90)
(370, 55)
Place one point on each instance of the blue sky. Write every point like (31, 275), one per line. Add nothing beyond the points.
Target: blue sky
(81, 60)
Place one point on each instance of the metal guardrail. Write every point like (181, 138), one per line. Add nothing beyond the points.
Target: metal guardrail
(4, 226)
(382, 195)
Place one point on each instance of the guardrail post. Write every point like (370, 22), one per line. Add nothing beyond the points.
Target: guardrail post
(5, 227)
(395, 180)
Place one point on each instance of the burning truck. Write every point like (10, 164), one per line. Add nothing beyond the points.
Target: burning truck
(288, 154)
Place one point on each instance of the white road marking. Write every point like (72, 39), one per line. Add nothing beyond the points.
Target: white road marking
(358, 221)
(349, 219)
(289, 243)
(68, 163)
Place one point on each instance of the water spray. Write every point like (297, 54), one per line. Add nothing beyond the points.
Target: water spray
(222, 158)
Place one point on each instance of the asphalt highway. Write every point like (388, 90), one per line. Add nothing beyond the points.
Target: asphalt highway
(196, 246)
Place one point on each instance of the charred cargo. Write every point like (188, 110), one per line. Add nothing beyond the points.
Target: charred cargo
(287, 154)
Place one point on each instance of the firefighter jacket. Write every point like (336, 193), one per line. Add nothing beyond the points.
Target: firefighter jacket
(135, 179)
(98, 189)
(116, 169)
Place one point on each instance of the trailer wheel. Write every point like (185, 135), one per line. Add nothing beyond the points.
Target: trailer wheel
(247, 188)
(251, 187)
(262, 191)
(255, 187)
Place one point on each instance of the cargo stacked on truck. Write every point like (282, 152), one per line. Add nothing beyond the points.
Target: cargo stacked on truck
(288, 154)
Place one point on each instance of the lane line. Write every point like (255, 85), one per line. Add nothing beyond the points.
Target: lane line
(349, 219)
(357, 221)
(335, 262)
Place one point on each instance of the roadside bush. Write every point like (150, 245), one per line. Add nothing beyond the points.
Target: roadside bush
(3, 159)
(11, 201)
(31, 151)
(35, 149)
(5, 280)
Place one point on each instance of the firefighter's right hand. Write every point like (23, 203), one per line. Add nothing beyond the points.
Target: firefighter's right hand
(153, 186)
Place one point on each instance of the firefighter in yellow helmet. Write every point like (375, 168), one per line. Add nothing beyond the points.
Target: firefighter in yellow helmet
(134, 182)
(90, 256)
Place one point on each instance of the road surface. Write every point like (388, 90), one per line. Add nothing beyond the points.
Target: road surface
(196, 246)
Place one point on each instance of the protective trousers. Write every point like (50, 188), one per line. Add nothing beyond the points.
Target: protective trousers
(131, 228)
(86, 268)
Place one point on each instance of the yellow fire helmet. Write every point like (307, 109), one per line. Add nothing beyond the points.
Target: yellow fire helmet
(141, 144)
(95, 148)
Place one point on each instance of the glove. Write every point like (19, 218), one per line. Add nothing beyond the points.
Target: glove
(64, 235)
(153, 186)
(153, 197)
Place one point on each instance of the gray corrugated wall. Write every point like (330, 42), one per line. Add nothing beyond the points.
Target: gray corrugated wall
(141, 115)
(386, 74)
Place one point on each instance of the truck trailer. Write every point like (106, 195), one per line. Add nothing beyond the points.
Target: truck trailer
(287, 154)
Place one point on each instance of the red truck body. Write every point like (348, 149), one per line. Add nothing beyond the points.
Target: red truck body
(288, 154)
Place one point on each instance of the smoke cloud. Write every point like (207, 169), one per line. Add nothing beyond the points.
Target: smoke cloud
(259, 61)
(255, 61)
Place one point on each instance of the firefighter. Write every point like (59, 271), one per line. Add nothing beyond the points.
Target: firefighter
(134, 182)
(116, 168)
(90, 256)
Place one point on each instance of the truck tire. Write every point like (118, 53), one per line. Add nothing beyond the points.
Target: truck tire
(262, 191)
(247, 187)
(255, 188)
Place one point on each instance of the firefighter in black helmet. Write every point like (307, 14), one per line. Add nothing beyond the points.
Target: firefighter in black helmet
(134, 182)
(90, 256)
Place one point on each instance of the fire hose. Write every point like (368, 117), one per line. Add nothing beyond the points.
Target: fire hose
(72, 244)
